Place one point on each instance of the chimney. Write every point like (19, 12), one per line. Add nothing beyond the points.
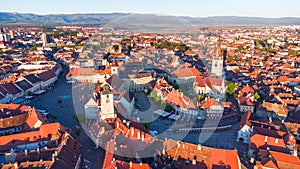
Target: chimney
(252, 160)
(113, 159)
(130, 164)
(276, 140)
(163, 151)
(16, 166)
(178, 144)
(55, 153)
(53, 157)
(128, 124)
(199, 147)
(38, 150)
(117, 124)
(143, 136)
(194, 162)
(141, 163)
(138, 135)
(132, 131)
(266, 139)
(26, 151)
(183, 145)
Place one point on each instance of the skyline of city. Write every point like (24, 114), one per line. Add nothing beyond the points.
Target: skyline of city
(193, 8)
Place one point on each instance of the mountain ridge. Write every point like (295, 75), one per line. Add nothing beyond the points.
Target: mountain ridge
(140, 19)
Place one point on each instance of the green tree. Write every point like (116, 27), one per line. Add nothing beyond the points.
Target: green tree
(201, 97)
(34, 47)
(147, 126)
(231, 87)
(163, 104)
(152, 94)
(168, 108)
(256, 96)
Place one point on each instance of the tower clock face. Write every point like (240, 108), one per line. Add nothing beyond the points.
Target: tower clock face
(107, 100)
(106, 87)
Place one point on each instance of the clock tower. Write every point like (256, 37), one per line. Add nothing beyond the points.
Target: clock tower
(106, 102)
(217, 62)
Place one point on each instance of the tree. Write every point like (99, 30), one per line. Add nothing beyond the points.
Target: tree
(163, 105)
(256, 96)
(152, 94)
(116, 47)
(201, 97)
(231, 87)
(168, 108)
(147, 126)
(34, 47)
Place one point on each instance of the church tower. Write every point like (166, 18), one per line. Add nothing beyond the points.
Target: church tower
(217, 62)
(106, 103)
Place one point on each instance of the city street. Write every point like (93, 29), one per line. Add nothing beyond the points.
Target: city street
(220, 139)
(65, 114)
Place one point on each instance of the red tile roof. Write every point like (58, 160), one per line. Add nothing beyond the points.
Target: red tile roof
(45, 132)
(212, 157)
(47, 75)
(185, 72)
(11, 88)
(245, 120)
(258, 141)
(285, 160)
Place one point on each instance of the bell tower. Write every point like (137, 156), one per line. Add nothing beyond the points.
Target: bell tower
(217, 62)
(106, 103)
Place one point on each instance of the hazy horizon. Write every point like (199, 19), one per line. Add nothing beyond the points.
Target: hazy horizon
(190, 8)
(116, 12)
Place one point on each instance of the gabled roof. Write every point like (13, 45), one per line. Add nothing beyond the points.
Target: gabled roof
(285, 160)
(24, 85)
(209, 102)
(279, 109)
(11, 88)
(185, 72)
(33, 78)
(49, 131)
(91, 102)
(258, 141)
(128, 96)
(47, 75)
(211, 157)
(3, 90)
(115, 81)
(245, 120)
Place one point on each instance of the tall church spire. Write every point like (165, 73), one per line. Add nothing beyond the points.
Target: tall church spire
(217, 62)
(219, 54)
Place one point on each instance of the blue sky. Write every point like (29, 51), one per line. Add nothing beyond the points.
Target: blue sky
(196, 8)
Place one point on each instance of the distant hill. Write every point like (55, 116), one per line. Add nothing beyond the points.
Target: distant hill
(140, 19)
